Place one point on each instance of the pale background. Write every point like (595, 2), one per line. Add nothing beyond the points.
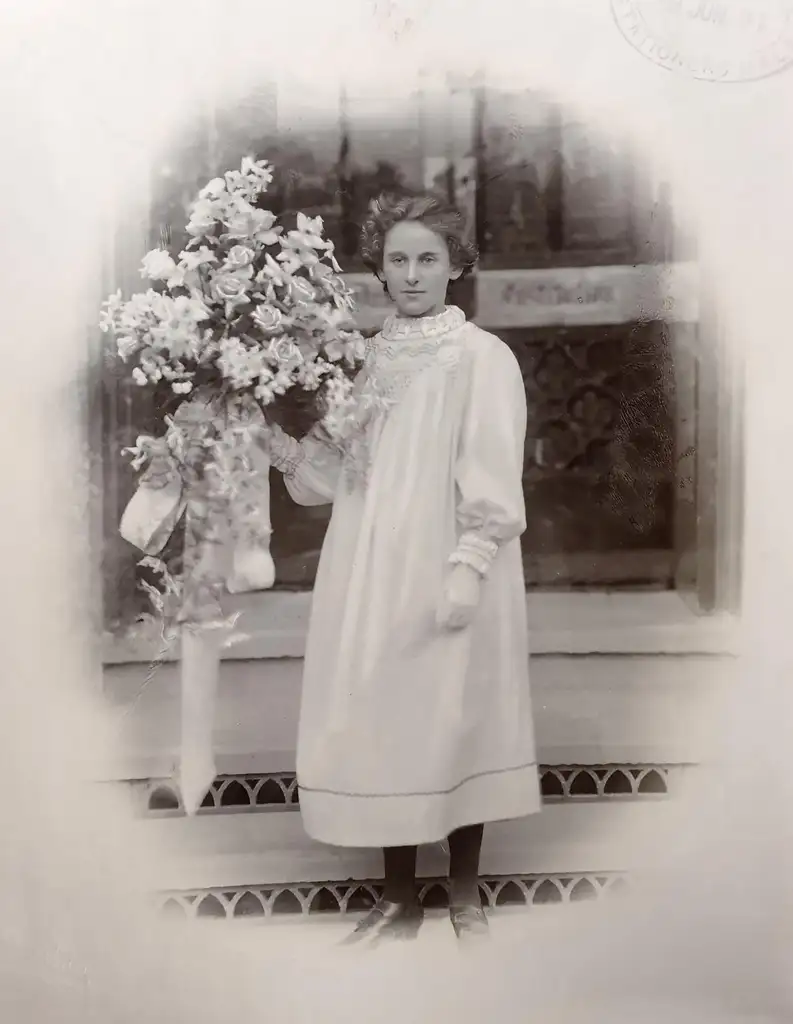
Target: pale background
(90, 92)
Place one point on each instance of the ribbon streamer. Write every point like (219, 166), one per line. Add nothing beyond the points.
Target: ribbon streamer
(201, 649)
(148, 521)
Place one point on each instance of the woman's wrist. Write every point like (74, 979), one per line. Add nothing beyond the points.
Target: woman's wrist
(284, 451)
(461, 595)
(476, 552)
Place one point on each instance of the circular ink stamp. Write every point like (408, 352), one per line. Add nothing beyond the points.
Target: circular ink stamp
(711, 40)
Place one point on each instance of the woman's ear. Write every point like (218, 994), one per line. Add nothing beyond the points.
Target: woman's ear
(455, 273)
(381, 278)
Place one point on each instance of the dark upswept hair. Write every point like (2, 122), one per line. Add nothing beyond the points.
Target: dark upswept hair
(445, 219)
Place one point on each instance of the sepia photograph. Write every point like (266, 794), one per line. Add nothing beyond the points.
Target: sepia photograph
(415, 548)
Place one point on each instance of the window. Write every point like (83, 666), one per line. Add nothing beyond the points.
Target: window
(578, 261)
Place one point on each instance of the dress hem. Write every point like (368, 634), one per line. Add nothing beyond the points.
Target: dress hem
(372, 820)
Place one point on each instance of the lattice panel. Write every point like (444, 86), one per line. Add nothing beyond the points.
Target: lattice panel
(311, 899)
(559, 783)
(600, 472)
(601, 434)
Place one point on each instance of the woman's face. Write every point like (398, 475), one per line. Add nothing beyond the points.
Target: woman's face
(416, 269)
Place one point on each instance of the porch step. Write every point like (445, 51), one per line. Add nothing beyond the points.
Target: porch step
(587, 710)
(615, 735)
(232, 850)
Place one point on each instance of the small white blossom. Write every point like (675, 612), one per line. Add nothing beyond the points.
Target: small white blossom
(158, 265)
(139, 377)
(213, 189)
(293, 261)
(308, 234)
(258, 170)
(271, 271)
(192, 259)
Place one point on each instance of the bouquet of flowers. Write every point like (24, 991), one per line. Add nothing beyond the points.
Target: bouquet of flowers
(246, 312)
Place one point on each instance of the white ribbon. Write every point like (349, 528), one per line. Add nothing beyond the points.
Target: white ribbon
(200, 675)
(148, 521)
(152, 515)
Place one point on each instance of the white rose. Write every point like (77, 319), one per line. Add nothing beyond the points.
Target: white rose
(158, 265)
(202, 217)
(229, 288)
(264, 219)
(149, 372)
(302, 291)
(239, 217)
(183, 387)
(239, 256)
(139, 377)
(239, 225)
(268, 318)
(126, 346)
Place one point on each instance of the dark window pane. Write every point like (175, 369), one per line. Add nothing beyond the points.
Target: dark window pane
(599, 472)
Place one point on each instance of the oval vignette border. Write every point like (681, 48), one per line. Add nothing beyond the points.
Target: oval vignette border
(629, 13)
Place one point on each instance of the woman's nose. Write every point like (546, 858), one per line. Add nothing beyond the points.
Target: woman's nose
(413, 274)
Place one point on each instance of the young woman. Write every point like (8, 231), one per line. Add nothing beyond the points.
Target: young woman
(415, 722)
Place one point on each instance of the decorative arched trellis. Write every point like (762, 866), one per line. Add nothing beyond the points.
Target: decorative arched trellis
(325, 898)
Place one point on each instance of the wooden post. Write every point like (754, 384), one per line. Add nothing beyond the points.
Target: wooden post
(554, 189)
(346, 181)
(481, 233)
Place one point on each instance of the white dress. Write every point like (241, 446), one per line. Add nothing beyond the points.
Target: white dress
(408, 731)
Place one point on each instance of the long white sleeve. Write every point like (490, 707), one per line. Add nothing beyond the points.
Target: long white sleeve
(311, 467)
(489, 473)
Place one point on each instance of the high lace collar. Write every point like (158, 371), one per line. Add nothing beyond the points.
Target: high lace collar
(398, 328)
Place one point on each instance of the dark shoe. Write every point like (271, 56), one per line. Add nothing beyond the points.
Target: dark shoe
(386, 921)
(469, 922)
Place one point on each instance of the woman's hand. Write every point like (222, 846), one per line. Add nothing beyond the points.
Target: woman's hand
(460, 597)
(263, 435)
(283, 450)
(269, 441)
(159, 472)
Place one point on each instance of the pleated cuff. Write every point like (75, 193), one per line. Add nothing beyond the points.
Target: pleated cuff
(475, 551)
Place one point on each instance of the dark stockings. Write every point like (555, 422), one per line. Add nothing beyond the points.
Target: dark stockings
(400, 874)
(465, 845)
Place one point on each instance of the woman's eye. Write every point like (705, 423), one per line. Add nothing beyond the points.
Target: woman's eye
(429, 259)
